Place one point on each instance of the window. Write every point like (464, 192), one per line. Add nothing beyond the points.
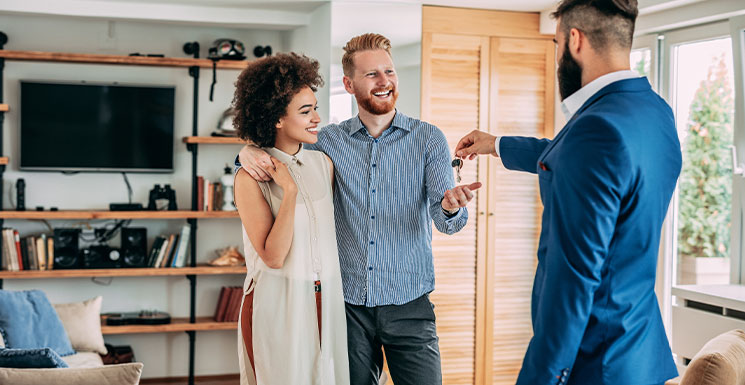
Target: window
(702, 90)
(641, 61)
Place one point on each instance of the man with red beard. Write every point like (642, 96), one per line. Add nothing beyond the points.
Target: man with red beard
(392, 180)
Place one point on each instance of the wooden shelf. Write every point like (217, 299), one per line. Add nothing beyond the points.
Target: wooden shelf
(124, 272)
(213, 140)
(105, 214)
(176, 325)
(4, 108)
(119, 59)
(4, 160)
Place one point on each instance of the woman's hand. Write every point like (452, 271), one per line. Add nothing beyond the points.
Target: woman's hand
(281, 175)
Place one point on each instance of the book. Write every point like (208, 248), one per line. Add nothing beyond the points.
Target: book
(31, 247)
(41, 252)
(9, 248)
(161, 252)
(210, 196)
(24, 254)
(235, 305)
(50, 251)
(222, 302)
(200, 193)
(206, 194)
(169, 251)
(183, 247)
(19, 254)
(218, 196)
(7, 257)
(155, 250)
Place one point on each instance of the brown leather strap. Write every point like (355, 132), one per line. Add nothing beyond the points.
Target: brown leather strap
(247, 312)
(318, 308)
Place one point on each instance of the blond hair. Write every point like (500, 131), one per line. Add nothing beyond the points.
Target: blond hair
(366, 42)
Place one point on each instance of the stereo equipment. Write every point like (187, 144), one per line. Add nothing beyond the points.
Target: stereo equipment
(101, 257)
(125, 206)
(66, 249)
(21, 195)
(134, 246)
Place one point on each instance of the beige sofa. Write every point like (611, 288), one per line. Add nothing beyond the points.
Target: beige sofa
(720, 362)
(82, 324)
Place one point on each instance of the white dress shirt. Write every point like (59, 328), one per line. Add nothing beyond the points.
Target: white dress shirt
(572, 104)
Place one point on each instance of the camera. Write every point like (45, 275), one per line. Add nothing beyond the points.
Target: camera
(158, 193)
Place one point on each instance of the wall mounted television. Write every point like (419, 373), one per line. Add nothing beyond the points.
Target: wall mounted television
(96, 127)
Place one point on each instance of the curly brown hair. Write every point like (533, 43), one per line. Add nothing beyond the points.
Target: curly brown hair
(264, 90)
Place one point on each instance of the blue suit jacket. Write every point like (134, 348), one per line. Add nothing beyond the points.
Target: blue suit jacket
(606, 181)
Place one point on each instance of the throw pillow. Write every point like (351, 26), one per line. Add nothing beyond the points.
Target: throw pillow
(123, 374)
(28, 321)
(82, 322)
(30, 358)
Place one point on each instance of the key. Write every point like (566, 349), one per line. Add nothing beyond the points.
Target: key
(457, 164)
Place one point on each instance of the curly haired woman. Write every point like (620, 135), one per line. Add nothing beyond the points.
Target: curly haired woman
(292, 323)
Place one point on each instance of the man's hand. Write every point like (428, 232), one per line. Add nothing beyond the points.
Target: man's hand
(476, 142)
(459, 197)
(256, 162)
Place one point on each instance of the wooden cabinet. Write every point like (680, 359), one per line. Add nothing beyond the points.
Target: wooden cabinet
(489, 71)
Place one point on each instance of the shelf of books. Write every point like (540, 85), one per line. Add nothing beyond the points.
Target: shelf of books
(34, 257)
(124, 272)
(213, 140)
(176, 325)
(93, 214)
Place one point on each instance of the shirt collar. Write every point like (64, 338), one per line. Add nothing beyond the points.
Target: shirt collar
(399, 121)
(574, 102)
(286, 158)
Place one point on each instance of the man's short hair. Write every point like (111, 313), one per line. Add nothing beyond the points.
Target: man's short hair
(366, 42)
(606, 23)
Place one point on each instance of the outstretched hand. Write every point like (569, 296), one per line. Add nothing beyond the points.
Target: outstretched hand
(475, 143)
(459, 196)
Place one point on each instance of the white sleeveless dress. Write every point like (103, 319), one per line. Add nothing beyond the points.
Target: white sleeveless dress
(278, 332)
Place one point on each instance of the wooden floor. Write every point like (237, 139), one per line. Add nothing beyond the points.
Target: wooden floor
(229, 379)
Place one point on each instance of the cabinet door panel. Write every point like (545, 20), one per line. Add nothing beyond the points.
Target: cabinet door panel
(454, 98)
(521, 102)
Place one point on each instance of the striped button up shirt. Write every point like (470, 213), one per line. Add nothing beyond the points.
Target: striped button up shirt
(387, 193)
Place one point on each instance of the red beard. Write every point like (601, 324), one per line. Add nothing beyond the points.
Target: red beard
(369, 103)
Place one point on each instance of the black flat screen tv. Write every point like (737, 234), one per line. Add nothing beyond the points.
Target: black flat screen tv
(96, 127)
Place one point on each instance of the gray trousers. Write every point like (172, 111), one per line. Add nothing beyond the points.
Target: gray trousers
(408, 335)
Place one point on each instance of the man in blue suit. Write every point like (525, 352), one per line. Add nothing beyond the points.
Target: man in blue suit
(605, 181)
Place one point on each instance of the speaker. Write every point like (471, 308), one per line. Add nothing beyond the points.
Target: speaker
(66, 249)
(134, 246)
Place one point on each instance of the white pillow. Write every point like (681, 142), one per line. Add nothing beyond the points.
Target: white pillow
(82, 322)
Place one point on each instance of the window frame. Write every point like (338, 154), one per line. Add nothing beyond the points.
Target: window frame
(661, 77)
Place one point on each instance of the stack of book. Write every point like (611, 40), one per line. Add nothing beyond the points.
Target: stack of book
(27, 253)
(209, 195)
(170, 250)
(229, 304)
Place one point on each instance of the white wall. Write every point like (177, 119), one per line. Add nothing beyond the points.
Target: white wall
(163, 354)
(351, 19)
(313, 40)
